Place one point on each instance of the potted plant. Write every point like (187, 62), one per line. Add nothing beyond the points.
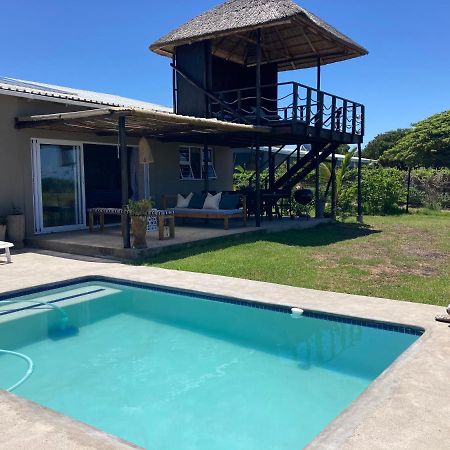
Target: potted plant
(138, 211)
(2, 228)
(15, 224)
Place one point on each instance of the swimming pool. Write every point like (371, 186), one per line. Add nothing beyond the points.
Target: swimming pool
(174, 371)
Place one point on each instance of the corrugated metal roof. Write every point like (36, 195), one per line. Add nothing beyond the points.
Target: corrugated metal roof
(50, 92)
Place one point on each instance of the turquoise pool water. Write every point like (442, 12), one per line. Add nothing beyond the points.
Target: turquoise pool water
(169, 371)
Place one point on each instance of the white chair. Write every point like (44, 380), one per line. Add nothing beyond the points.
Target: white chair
(6, 246)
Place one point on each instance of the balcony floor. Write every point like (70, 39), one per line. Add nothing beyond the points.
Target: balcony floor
(108, 243)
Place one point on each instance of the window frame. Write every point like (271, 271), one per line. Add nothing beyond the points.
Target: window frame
(187, 163)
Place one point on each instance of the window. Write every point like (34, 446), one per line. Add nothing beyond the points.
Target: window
(192, 164)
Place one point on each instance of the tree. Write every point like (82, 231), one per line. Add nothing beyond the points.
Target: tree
(427, 145)
(343, 149)
(383, 142)
(341, 171)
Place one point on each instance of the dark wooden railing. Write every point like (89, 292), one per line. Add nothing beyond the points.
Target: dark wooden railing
(290, 102)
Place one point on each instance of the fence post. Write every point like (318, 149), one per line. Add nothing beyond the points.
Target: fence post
(408, 190)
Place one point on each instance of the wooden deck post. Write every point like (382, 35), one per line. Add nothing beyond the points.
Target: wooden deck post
(360, 213)
(333, 185)
(124, 180)
(319, 73)
(174, 85)
(271, 179)
(257, 183)
(258, 122)
(206, 167)
(317, 183)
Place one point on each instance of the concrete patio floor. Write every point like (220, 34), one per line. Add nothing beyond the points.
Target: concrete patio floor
(407, 407)
(108, 243)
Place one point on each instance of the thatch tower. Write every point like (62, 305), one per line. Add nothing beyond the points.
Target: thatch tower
(292, 37)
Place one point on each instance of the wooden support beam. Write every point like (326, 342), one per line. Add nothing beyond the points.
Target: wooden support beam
(174, 86)
(258, 122)
(333, 186)
(317, 199)
(286, 50)
(319, 73)
(124, 180)
(206, 168)
(257, 182)
(360, 212)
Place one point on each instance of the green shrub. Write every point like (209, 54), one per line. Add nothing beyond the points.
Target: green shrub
(430, 188)
(382, 189)
(139, 207)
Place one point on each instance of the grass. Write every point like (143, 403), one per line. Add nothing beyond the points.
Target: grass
(404, 257)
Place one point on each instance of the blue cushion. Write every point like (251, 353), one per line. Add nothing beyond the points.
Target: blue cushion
(230, 201)
(197, 201)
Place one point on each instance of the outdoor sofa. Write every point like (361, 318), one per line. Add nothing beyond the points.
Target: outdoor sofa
(233, 205)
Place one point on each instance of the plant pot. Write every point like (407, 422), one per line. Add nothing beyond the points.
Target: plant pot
(15, 224)
(139, 230)
(2, 232)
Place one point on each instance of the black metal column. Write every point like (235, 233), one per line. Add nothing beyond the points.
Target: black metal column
(271, 179)
(317, 199)
(333, 185)
(409, 189)
(319, 73)
(271, 169)
(258, 122)
(360, 212)
(257, 182)
(206, 168)
(124, 180)
(174, 85)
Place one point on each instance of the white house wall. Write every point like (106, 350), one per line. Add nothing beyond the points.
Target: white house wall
(16, 187)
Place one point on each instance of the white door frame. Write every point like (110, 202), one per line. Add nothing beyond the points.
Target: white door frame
(37, 186)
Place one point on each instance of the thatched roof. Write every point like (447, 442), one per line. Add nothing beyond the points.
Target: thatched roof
(292, 37)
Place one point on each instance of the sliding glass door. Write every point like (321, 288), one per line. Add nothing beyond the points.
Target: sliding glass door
(58, 185)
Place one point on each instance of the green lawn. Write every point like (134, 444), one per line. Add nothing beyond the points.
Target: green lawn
(405, 257)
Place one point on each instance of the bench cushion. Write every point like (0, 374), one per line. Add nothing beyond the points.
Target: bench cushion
(197, 201)
(212, 201)
(230, 201)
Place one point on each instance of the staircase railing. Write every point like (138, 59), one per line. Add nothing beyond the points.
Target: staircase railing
(286, 159)
(264, 165)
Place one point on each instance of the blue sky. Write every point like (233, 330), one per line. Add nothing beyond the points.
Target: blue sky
(103, 45)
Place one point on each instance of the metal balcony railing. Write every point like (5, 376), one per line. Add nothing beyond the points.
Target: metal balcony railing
(290, 102)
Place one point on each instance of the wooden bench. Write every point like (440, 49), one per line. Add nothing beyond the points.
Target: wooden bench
(162, 217)
(221, 214)
(6, 246)
(101, 212)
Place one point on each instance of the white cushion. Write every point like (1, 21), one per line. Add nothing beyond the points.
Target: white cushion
(183, 202)
(212, 201)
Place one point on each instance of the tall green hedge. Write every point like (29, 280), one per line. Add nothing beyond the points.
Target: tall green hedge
(383, 191)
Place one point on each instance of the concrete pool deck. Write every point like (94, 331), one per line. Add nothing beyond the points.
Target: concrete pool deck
(407, 407)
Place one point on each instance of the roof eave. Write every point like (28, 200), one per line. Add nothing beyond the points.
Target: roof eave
(165, 48)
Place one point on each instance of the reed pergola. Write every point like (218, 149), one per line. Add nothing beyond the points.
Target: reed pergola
(135, 122)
